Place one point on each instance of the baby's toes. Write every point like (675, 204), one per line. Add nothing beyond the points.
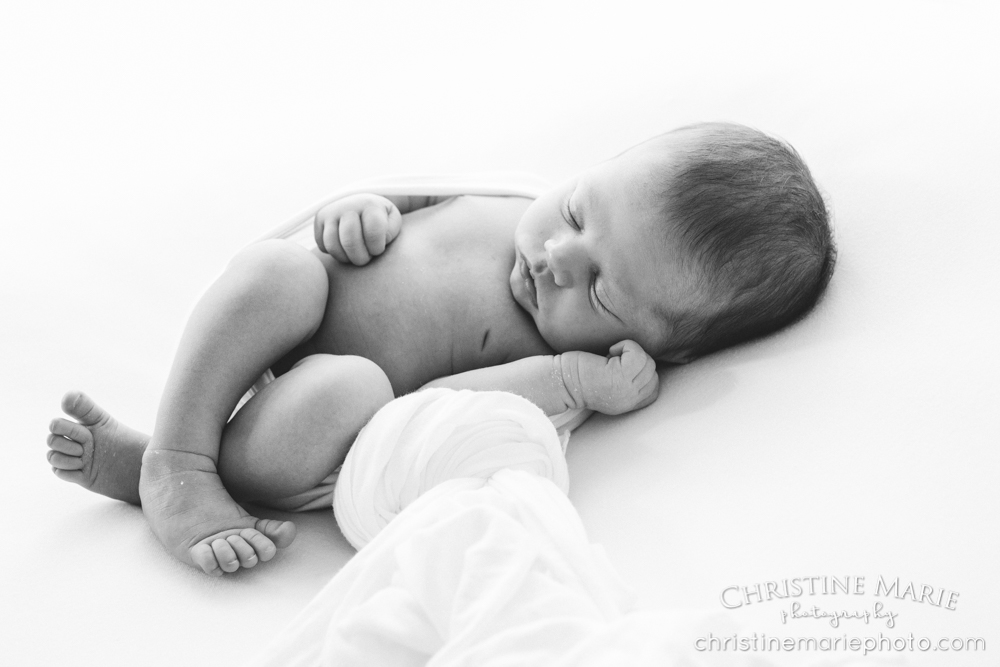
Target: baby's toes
(282, 533)
(64, 445)
(203, 556)
(82, 407)
(244, 552)
(65, 453)
(70, 430)
(64, 462)
(225, 555)
(260, 543)
(74, 476)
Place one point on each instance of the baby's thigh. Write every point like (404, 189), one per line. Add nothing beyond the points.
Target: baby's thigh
(296, 431)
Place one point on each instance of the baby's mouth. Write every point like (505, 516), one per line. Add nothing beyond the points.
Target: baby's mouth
(529, 282)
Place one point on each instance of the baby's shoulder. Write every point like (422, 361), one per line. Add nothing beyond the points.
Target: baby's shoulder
(471, 224)
(494, 205)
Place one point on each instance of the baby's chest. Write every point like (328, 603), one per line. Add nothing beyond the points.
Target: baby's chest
(437, 302)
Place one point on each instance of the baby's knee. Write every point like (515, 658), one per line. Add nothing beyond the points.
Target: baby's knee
(353, 386)
(281, 266)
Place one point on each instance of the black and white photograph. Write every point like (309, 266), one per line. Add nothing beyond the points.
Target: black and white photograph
(562, 334)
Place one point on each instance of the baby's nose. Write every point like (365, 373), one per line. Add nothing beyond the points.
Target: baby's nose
(563, 260)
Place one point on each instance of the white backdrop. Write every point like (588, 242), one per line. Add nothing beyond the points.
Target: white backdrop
(142, 146)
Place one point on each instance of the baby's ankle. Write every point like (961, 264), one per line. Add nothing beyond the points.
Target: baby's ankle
(161, 461)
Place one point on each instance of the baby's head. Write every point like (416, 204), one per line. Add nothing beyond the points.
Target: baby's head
(693, 241)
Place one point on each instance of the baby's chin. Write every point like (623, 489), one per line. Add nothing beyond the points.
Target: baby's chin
(561, 343)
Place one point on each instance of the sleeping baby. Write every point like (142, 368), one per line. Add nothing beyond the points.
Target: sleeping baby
(693, 241)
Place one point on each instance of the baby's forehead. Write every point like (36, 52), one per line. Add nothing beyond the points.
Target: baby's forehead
(638, 181)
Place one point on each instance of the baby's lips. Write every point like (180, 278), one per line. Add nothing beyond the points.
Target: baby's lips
(529, 280)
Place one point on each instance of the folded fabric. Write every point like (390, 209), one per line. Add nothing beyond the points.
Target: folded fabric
(471, 554)
(421, 440)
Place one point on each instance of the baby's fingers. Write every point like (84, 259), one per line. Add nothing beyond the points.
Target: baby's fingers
(649, 391)
(395, 223)
(618, 348)
(634, 359)
(646, 373)
(352, 238)
(325, 229)
(375, 226)
(320, 221)
(328, 240)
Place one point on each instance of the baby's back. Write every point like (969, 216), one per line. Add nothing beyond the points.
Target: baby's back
(438, 301)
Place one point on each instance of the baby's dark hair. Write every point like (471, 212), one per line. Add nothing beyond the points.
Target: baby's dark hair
(756, 227)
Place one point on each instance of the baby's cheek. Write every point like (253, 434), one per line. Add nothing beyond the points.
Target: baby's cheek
(552, 335)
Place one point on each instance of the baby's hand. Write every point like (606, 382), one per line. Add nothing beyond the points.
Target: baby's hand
(626, 380)
(356, 228)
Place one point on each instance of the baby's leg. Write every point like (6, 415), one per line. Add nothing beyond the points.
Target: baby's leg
(297, 430)
(270, 298)
(283, 442)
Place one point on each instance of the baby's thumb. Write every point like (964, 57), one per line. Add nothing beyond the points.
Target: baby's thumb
(619, 348)
(627, 349)
(395, 219)
(633, 358)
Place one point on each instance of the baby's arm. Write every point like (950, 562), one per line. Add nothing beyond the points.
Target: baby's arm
(357, 228)
(408, 203)
(625, 380)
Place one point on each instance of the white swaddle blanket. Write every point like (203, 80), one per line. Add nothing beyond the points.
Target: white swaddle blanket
(439, 436)
(470, 553)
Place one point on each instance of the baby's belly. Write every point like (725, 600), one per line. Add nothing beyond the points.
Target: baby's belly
(380, 312)
(437, 302)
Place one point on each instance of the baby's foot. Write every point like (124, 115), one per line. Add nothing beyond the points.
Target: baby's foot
(96, 451)
(194, 516)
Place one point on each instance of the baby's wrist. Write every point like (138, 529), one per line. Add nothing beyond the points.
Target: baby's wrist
(566, 368)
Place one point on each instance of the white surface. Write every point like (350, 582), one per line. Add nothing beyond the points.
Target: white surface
(141, 147)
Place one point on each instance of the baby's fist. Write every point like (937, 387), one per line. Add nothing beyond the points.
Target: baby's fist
(357, 228)
(626, 380)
